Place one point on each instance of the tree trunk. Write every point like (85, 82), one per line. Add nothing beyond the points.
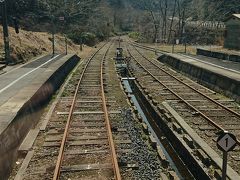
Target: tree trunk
(170, 30)
(165, 20)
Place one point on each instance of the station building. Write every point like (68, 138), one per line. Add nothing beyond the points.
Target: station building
(232, 33)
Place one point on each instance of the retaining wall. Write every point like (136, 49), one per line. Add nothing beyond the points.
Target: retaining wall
(218, 82)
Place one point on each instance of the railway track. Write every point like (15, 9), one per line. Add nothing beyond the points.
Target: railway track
(77, 141)
(148, 48)
(204, 114)
(74, 138)
(88, 128)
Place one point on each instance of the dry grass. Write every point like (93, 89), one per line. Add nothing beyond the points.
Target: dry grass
(27, 45)
(224, 50)
(192, 49)
(177, 48)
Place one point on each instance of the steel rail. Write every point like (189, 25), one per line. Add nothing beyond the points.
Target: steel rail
(63, 142)
(149, 48)
(194, 89)
(182, 99)
(108, 126)
(209, 98)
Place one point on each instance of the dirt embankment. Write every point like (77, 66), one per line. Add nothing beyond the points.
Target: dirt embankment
(27, 45)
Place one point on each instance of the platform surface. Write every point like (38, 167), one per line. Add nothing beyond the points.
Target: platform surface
(20, 84)
(222, 67)
(230, 65)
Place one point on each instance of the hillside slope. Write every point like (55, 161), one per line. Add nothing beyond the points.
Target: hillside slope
(27, 44)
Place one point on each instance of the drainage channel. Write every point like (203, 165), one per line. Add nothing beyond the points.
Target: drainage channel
(174, 161)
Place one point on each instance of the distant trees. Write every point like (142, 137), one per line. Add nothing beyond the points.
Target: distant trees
(169, 17)
(154, 19)
(211, 9)
(19, 7)
(162, 13)
(117, 6)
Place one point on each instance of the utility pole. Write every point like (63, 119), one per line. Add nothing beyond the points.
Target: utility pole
(183, 32)
(119, 42)
(53, 36)
(65, 9)
(66, 45)
(171, 24)
(81, 43)
(174, 40)
(62, 19)
(53, 29)
(5, 32)
(53, 43)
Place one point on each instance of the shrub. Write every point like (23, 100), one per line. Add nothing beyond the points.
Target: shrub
(79, 37)
(89, 38)
(134, 35)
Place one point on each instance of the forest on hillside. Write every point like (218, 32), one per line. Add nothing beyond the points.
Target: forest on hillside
(99, 19)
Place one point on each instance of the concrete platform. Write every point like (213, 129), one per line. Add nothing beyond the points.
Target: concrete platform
(219, 76)
(23, 93)
(224, 64)
(232, 55)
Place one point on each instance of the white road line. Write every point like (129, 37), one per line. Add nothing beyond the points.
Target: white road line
(15, 81)
(211, 64)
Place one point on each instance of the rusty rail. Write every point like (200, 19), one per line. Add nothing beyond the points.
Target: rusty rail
(183, 100)
(108, 126)
(214, 101)
(63, 142)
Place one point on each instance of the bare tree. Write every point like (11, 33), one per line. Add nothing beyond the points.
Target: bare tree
(171, 24)
(158, 11)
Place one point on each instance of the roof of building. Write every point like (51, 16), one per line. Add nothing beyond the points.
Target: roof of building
(236, 15)
(233, 15)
